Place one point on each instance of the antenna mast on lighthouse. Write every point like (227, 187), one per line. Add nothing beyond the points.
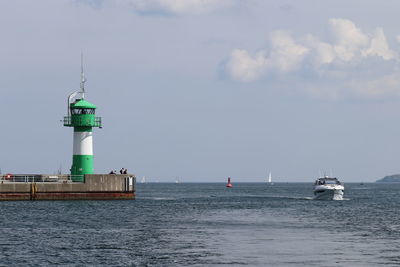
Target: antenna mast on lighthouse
(82, 87)
(83, 79)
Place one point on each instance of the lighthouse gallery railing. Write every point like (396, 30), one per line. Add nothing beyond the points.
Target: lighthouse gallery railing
(83, 120)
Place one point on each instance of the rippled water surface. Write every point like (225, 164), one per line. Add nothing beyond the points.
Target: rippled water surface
(208, 225)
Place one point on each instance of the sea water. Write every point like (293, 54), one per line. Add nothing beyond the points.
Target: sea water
(200, 224)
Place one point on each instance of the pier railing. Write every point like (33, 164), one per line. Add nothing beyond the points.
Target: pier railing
(41, 178)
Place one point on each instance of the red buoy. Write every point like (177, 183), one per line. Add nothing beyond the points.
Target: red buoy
(229, 182)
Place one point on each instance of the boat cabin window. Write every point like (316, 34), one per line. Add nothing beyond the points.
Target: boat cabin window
(331, 182)
(326, 181)
(78, 111)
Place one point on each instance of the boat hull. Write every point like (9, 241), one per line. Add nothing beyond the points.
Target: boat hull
(328, 194)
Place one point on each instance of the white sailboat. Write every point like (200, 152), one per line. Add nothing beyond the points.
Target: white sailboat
(270, 179)
(143, 181)
(177, 181)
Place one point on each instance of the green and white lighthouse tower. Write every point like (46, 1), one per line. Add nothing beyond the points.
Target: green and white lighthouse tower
(81, 116)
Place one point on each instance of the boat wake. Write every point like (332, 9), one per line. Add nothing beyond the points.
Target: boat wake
(341, 199)
(284, 197)
(156, 198)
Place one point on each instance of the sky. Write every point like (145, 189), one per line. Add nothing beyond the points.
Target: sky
(205, 89)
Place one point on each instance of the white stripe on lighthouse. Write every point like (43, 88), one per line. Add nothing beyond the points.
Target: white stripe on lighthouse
(83, 143)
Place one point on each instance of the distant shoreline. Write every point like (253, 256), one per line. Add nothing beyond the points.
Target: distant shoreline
(395, 178)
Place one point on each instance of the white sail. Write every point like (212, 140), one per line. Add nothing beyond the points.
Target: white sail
(269, 181)
(143, 180)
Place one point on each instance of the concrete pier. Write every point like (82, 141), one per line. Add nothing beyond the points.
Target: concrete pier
(61, 187)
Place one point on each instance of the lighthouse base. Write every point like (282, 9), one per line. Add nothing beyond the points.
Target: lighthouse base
(61, 187)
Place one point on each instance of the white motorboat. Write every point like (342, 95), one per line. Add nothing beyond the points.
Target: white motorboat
(328, 188)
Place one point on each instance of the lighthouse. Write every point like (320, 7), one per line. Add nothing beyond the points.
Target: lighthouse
(81, 116)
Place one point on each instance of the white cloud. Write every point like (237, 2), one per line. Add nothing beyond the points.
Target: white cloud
(323, 53)
(243, 67)
(380, 47)
(350, 46)
(165, 7)
(349, 40)
(179, 7)
(285, 57)
(358, 63)
(285, 53)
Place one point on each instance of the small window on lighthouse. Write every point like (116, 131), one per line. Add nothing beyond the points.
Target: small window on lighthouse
(79, 111)
(88, 111)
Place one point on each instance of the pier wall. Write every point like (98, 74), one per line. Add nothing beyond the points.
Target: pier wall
(95, 186)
